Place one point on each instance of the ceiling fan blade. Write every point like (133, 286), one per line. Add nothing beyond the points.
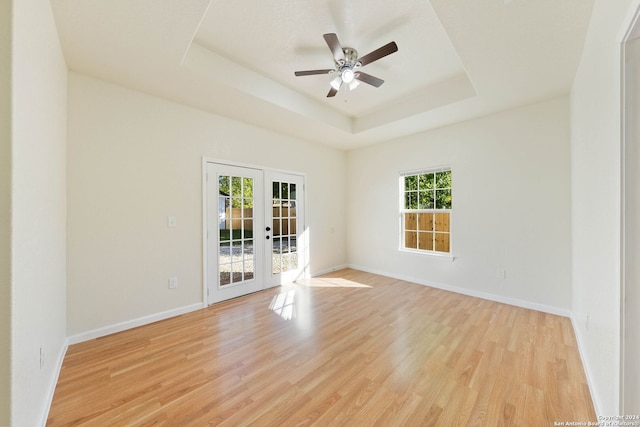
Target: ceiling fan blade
(369, 79)
(381, 52)
(335, 46)
(332, 93)
(313, 72)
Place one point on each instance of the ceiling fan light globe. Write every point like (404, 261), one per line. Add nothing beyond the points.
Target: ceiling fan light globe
(336, 83)
(347, 75)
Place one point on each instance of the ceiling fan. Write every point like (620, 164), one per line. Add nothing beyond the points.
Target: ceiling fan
(347, 65)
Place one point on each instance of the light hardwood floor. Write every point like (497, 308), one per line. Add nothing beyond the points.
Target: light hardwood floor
(346, 349)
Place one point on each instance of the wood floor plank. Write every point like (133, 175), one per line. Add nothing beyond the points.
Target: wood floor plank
(351, 348)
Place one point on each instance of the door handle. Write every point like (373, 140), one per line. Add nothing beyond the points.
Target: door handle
(267, 237)
(268, 228)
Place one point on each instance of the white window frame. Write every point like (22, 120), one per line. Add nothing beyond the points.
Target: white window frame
(403, 210)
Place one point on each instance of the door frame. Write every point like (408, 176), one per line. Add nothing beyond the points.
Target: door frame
(629, 171)
(205, 211)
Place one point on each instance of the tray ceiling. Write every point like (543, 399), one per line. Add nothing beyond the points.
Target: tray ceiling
(457, 59)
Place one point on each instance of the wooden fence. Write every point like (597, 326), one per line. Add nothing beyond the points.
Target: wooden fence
(234, 218)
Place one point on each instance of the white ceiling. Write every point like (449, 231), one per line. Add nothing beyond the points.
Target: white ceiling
(456, 59)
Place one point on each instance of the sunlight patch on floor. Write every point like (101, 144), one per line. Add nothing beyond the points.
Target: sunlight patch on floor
(331, 282)
(283, 304)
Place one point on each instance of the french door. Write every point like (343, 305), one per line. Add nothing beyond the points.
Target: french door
(286, 254)
(255, 230)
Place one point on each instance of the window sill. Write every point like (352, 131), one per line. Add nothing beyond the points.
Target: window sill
(437, 255)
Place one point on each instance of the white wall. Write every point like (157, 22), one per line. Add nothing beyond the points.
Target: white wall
(5, 208)
(595, 148)
(511, 205)
(38, 209)
(134, 159)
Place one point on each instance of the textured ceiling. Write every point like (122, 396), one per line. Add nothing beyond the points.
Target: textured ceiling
(457, 59)
(278, 47)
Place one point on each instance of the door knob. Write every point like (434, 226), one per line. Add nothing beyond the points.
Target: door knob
(268, 228)
(267, 237)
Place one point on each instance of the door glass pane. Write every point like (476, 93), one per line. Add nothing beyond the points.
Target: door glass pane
(236, 186)
(223, 185)
(276, 210)
(235, 210)
(284, 249)
(276, 266)
(286, 262)
(224, 262)
(276, 226)
(248, 271)
(248, 229)
(248, 258)
(225, 276)
(247, 188)
(247, 208)
(236, 251)
(237, 272)
(293, 264)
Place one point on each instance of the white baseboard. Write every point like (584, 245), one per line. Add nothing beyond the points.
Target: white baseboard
(470, 292)
(134, 323)
(52, 385)
(587, 372)
(329, 270)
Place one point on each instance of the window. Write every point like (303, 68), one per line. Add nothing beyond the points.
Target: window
(426, 211)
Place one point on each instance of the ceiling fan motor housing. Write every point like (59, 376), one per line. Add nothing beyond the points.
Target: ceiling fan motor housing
(350, 58)
(346, 67)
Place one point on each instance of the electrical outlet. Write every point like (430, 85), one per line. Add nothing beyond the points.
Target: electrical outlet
(42, 356)
(501, 274)
(173, 282)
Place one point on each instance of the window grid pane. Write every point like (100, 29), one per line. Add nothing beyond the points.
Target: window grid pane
(236, 258)
(427, 202)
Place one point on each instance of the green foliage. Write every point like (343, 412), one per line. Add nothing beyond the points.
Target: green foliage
(284, 190)
(426, 181)
(240, 190)
(410, 183)
(443, 179)
(428, 191)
